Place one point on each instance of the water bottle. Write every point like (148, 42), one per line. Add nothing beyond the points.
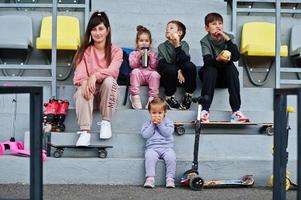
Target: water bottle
(145, 57)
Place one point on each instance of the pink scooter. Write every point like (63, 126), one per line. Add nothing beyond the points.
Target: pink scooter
(16, 148)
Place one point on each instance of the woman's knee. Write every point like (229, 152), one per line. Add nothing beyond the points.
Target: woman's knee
(189, 67)
(135, 72)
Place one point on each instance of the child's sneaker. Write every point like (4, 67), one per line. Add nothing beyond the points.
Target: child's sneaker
(84, 138)
(186, 102)
(172, 103)
(204, 116)
(149, 100)
(170, 183)
(149, 182)
(238, 116)
(136, 102)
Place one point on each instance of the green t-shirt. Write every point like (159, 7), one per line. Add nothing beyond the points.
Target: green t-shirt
(167, 51)
(213, 47)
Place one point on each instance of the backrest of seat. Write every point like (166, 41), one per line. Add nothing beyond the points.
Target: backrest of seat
(67, 27)
(295, 42)
(258, 33)
(16, 28)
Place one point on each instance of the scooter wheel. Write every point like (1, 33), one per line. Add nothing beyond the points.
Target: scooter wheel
(20, 145)
(180, 130)
(196, 183)
(2, 149)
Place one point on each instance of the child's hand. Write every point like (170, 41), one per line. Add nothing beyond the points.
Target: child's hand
(222, 34)
(156, 120)
(222, 58)
(181, 77)
(175, 39)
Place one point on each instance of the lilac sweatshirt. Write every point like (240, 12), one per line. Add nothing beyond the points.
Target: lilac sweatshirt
(158, 136)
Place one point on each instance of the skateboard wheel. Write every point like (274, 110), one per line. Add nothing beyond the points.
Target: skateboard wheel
(269, 131)
(180, 130)
(102, 153)
(196, 183)
(57, 154)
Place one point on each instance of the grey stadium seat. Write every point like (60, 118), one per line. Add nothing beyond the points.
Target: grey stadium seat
(295, 43)
(16, 35)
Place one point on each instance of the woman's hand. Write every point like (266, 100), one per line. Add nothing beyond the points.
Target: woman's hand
(181, 77)
(85, 90)
(92, 83)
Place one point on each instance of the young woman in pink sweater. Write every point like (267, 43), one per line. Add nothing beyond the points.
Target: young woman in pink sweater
(143, 73)
(97, 66)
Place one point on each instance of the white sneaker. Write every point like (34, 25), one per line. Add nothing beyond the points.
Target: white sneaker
(136, 102)
(84, 138)
(105, 130)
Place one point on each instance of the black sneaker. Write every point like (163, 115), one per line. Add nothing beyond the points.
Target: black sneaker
(186, 102)
(172, 103)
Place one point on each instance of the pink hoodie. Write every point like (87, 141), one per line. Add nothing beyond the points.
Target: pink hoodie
(135, 62)
(94, 63)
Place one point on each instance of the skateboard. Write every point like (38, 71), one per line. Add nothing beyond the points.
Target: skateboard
(196, 183)
(59, 149)
(265, 128)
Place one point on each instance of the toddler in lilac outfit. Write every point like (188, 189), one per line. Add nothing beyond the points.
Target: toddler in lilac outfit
(158, 133)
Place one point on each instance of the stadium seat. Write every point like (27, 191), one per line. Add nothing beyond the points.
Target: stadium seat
(16, 39)
(258, 40)
(295, 43)
(68, 33)
(68, 39)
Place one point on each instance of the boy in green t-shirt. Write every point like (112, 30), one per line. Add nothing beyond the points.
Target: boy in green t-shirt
(219, 53)
(175, 66)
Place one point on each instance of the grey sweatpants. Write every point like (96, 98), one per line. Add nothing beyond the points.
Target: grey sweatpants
(105, 98)
(152, 155)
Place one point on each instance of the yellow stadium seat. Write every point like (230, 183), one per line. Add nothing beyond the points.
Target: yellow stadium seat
(258, 43)
(258, 39)
(68, 33)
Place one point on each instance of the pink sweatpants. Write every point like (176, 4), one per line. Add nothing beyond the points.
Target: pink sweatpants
(105, 98)
(144, 76)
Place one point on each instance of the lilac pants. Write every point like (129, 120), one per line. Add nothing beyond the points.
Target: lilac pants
(153, 155)
(144, 76)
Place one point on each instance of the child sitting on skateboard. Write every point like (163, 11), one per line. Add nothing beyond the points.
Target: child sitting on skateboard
(158, 133)
(219, 53)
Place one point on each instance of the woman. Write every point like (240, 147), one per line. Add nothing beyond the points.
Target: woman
(97, 66)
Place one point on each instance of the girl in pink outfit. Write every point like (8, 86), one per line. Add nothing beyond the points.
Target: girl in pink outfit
(97, 66)
(143, 75)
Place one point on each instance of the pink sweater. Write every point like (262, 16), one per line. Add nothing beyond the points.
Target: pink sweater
(136, 62)
(94, 63)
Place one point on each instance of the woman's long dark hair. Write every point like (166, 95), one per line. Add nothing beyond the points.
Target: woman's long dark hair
(95, 19)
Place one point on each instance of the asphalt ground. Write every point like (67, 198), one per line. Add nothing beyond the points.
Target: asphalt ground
(109, 192)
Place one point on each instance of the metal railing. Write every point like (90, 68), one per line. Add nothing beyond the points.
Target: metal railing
(53, 63)
(280, 141)
(35, 121)
(277, 10)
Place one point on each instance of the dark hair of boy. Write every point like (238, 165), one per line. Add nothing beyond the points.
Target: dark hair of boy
(158, 101)
(141, 30)
(212, 17)
(181, 27)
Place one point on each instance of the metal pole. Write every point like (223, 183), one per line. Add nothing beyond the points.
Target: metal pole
(279, 165)
(36, 167)
(234, 16)
(299, 145)
(53, 50)
(278, 42)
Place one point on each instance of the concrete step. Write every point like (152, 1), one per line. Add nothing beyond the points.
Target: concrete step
(214, 146)
(125, 171)
(128, 120)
